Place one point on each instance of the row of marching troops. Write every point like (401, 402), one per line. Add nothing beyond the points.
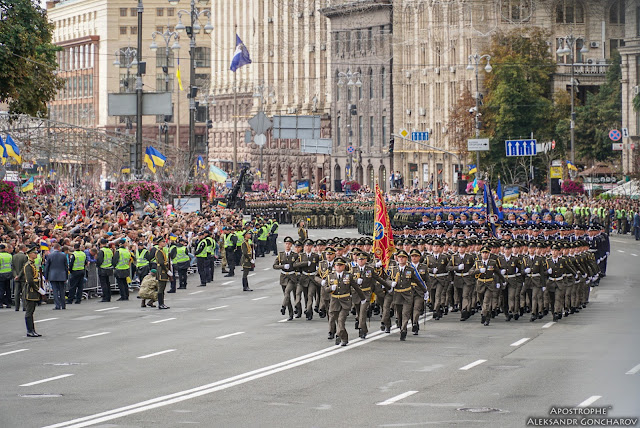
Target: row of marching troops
(466, 275)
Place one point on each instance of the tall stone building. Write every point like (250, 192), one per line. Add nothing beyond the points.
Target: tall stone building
(630, 80)
(91, 32)
(288, 44)
(360, 74)
(432, 44)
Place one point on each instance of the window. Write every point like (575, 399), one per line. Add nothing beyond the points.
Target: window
(201, 144)
(161, 58)
(127, 85)
(91, 85)
(204, 80)
(348, 41)
(384, 131)
(123, 11)
(171, 11)
(359, 40)
(134, 30)
(383, 79)
(133, 11)
(339, 130)
(360, 131)
(371, 130)
(617, 12)
(349, 93)
(159, 11)
(370, 38)
(202, 56)
(516, 10)
(359, 87)
(85, 87)
(569, 12)
(123, 31)
(370, 84)
(201, 114)
(337, 88)
(161, 82)
(638, 21)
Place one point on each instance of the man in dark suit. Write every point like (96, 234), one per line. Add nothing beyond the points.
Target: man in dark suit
(56, 271)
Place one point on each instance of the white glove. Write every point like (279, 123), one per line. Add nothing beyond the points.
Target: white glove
(426, 296)
(359, 281)
(498, 285)
(550, 271)
(588, 280)
(584, 276)
(393, 284)
(253, 261)
(363, 301)
(527, 270)
(333, 287)
(461, 266)
(324, 282)
(607, 253)
(435, 270)
(517, 270)
(482, 270)
(287, 266)
(544, 288)
(575, 276)
(309, 263)
(379, 263)
(503, 271)
(594, 278)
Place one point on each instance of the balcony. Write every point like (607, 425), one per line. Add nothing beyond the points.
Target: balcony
(581, 69)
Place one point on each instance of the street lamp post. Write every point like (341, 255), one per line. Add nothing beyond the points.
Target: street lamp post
(192, 30)
(167, 36)
(259, 92)
(474, 64)
(567, 46)
(207, 100)
(130, 59)
(351, 79)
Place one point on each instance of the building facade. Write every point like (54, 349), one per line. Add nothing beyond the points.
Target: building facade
(287, 42)
(630, 80)
(95, 34)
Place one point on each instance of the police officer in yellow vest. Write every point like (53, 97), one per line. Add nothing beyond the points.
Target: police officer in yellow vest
(5, 276)
(78, 263)
(211, 248)
(180, 260)
(105, 269)
(122, 263)
(143, 258)
(230, 243)
(202, 258)
(272, 238)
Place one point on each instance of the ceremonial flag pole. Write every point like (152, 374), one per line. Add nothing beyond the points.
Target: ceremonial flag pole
(383, 246)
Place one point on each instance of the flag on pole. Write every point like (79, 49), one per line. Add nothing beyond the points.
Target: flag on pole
(475, 185)
(499, 196)
(240, 56)
(571, 166)
(473, 169)
(3, 152)
(153, 158)
(125, 170)
(178, 76)
(27, 186)
(383, 246)
(11, 149)
(200, 164)
(217, 175)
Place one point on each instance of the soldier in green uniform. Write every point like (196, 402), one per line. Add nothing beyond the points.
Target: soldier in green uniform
(32, 295)
(420, 293)
(487, 277)
(401, 278)
(366, 278)
(307, 266)
(460, 264)
(284, 262)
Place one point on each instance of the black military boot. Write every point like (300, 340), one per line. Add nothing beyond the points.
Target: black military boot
(403, 335)
(415, 329)
(357, 325)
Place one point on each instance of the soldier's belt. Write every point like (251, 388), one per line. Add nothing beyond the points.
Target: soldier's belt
(287, 273)
(339, 296)
(485, 280)
(365, 289)
(461, 274)
(438, 275)
(400, 290)
(592, 251)
(534, 275)
(511, 276)
(556, 279)
(309, 273)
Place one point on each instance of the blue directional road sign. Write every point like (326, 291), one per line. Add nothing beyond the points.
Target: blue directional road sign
(521, 147)
(419, 136)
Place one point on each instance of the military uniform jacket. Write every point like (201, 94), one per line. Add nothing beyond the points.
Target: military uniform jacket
(305, 269)
(247, 255)
(303, 234)
(369, 280)
(162, 265)
(284, 259)
(511, 268)
(422, 273)
(559, 269)
(404, 279)
(325, 268)
(19, 261)
(32, 281)
(341, 296)
(440, 263)
(456, 260)
(487, 279)
(536, 277)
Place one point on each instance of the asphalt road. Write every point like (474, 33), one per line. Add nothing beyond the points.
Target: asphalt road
(221, 357)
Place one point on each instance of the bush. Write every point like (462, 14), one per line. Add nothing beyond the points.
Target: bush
(139, 191)
(9, 199)
(572, 187)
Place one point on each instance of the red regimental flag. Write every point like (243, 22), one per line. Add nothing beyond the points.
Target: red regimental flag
(383, 247)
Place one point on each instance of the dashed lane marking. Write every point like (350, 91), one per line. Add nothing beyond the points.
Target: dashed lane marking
(218, 307)
(107, 309)
(196, 292)
(396, 398)
(44, 320)
(13, 352)
(549, 324)
(634, 370)
(229, 335)
(94, 335)
(520, 342)
(260, 298)
(46, 380)
(159, 321)
(589, 401)
(156, 354)
(475, 363)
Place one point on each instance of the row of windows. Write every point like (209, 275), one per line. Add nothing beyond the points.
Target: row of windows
(361, 133)
(77, 87)
(77, 114)
(368, 84)
(171, 11)
(357, 40)
(71, 21)
(201, 57)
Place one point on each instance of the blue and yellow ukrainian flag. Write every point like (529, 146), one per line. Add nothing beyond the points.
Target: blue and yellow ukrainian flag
(199, 164)
(570, 165)
(475, 185)
(44, 246)
(125, 170)
(12, 149)
(27, 186)
(3, 152)
(473, 169)
(154, 158)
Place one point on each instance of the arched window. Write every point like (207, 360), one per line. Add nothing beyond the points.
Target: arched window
(617, 12)
(370, 83)
(337, 173)
(569, 12)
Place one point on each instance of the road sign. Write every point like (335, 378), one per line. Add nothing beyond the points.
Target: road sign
(296, 127)
(521, 147)
(616, 146)
(319, 146)
(625, 132)
(555, 172)
(260, 139)
(420, 136)
(350, 149)
(615, 135)
(403, 133)
(260, 123)
(478, 144)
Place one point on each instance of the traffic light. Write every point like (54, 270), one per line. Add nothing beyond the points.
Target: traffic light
(391, 142)
(353, 109)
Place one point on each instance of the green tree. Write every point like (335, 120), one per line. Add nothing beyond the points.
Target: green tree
(601, 113)
(519, 98)
(27, 56)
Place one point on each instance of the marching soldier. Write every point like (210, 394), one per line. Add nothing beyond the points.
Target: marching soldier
(307, 266)
(485, 271)
(366, 278)
(460, 264)
(420, 295)
(284, 262)
(302, 231)
(324, 269)
(248, 259)
(510, 269)
(339, 285)
(437, 268)
(401, 278)
(558, 270)
(534, 268)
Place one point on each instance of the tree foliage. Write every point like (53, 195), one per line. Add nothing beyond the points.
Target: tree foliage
(27, 75)
(519, 98)
(601, 113)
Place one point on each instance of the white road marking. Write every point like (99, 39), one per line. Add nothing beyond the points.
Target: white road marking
(589, 401)
(159, 321)
(46, 319)
(620, 251)
(549, 324)
(266, 269)
(46, 380)
(475, 363)
(260, 298)
(520, 342)
(251, 274)
(13, 352)
(94, 335)
(196, 292)
(284, 320)
(229, 335)
(107, 309)
(396, 398)
(634, 370)
(220, 385)
(155, 354)
(218, 307)
(227, 283)
(634, 255)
